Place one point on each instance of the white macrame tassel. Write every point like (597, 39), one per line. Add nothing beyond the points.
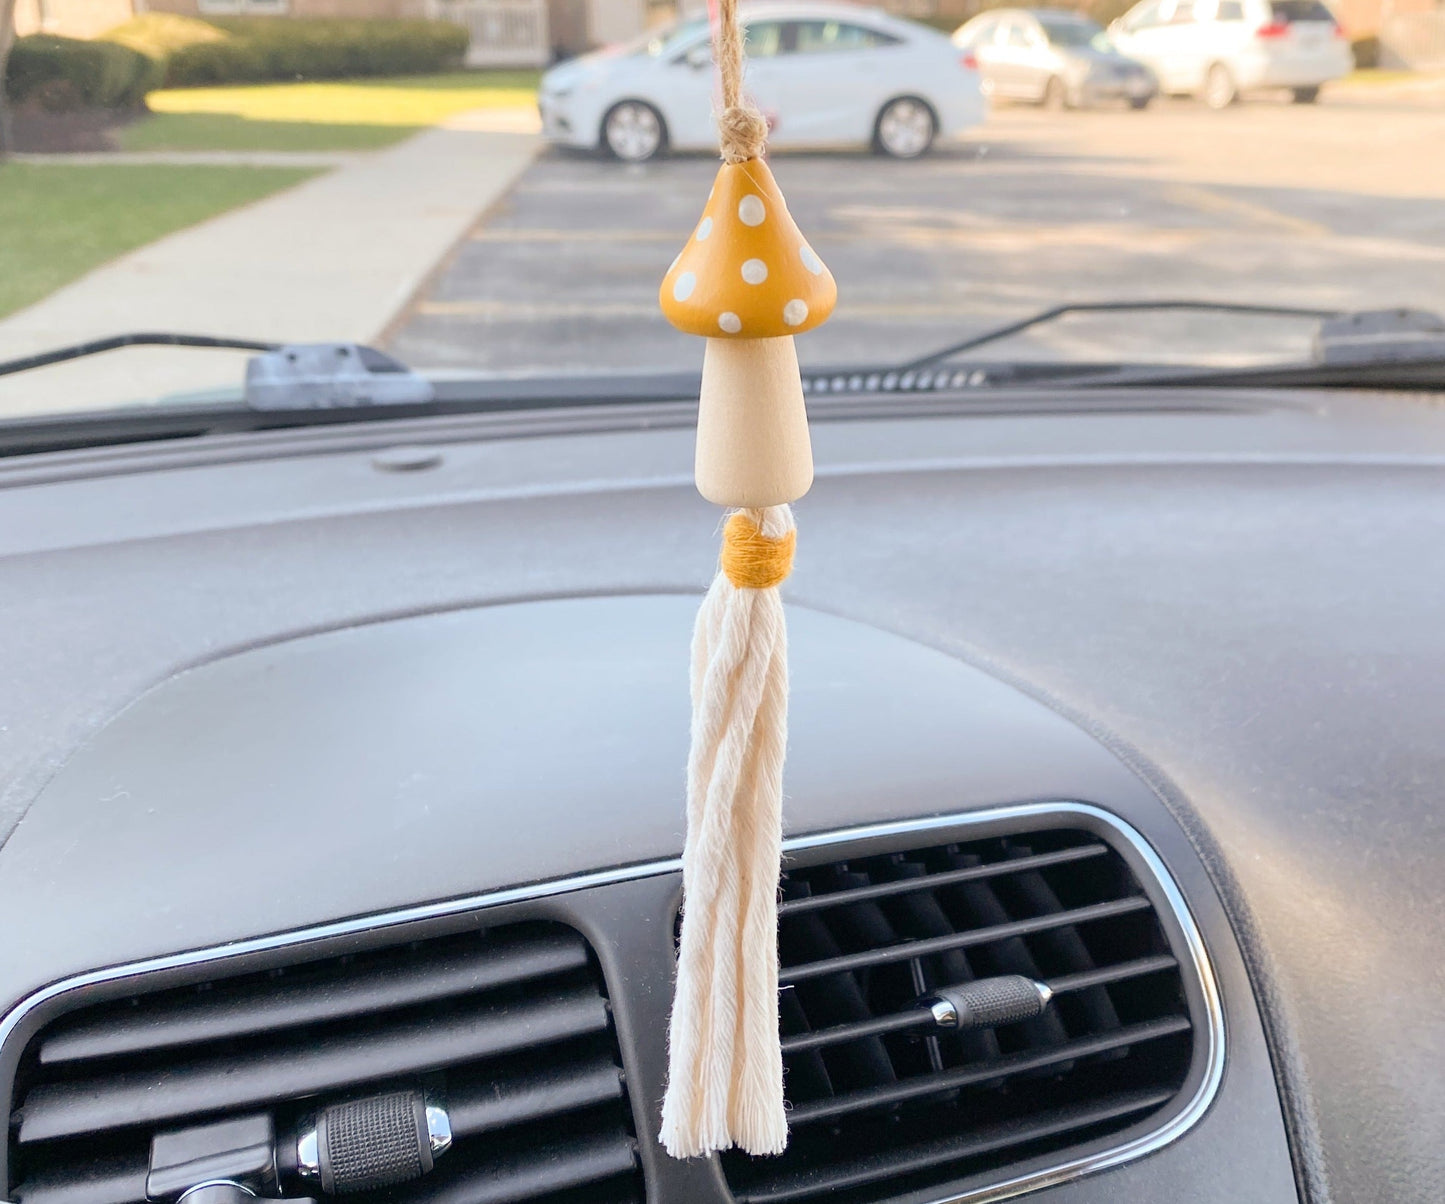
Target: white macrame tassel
(725, 1072)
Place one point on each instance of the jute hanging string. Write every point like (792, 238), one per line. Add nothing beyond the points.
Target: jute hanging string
(747, 281)
(742, 130)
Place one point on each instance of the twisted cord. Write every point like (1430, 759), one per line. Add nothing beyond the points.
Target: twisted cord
(742, 130)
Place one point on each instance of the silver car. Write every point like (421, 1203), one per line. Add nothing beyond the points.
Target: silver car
(1053, 57)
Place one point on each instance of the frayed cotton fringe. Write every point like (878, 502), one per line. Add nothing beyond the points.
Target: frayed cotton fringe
(725, 1071)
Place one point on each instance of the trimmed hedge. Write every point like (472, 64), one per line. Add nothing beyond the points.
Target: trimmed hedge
(61, 74)
(291, 48)
(160, 35)
(157, 49)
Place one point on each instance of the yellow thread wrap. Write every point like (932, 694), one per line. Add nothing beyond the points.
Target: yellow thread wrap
(750, 559)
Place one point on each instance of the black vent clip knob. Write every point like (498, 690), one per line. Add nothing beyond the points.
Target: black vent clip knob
(987, 1002)
(378, 1141)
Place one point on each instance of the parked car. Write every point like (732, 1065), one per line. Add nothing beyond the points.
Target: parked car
(1056, 58)
(1218, 49)
(825, 75)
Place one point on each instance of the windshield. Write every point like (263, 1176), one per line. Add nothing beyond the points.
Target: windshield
(662, 42)
(496, 188)
(1075, 33)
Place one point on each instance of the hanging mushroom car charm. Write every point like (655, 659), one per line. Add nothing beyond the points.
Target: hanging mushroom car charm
(748, 282)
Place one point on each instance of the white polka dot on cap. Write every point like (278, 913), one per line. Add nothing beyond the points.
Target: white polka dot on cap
(730, 322)
(751, 210)
(810, 260)
(795, 312)
(682, 287)
(755, 271)
(704, 228)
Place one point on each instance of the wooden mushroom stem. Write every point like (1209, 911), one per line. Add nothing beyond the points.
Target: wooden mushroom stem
(752, 428)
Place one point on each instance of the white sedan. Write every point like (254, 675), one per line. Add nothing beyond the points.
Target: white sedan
(824, 74)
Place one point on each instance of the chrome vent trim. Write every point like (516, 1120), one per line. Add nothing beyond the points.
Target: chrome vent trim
(1212, 1030)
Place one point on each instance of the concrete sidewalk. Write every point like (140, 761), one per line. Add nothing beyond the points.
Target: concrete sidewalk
(334, 258)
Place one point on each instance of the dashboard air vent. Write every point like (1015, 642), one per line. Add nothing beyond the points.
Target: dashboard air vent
(508, 1030)
(884, 1100)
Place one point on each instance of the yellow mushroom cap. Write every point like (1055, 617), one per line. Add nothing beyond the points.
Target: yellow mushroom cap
(747, 272)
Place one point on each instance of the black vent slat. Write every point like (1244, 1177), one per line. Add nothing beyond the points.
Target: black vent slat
(481, 1107)
(917, 1088)
(527, 1172)
(1062, 947)
(1107, 974)
(508, 1029)
(885, 890)
(911, 1160)
(982, 904)
(105, 1181)
(962, 940)
(886, 1100)
(897, 1023)
(865, 1062)
(924, 916)
(273, 1005)
(68, 1108)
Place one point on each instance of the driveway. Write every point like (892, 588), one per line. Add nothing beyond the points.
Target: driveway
(1334, 205)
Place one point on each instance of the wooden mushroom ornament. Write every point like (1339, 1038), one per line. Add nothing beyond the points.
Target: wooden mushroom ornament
(747, 281)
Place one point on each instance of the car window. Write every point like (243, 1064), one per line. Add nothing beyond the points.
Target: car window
(1299, 10)
(815, 37)
(1146, 16)
(1069, 32)
(664, 42)
(765, 39)
(1230, 10)
(1183, 13)
(1013, 33)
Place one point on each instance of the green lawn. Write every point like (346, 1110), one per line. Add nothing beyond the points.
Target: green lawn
(58, 222)
(323, 115)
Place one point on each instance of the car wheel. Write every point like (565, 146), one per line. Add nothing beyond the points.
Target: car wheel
(1056, 95)
(633, 131)
(1306, 96)
(905, 128)
(1140, 102)
(1219, 87)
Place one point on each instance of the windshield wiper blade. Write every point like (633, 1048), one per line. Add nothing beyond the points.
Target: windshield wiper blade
(999, 333)
(114, 342)
(1425, 373)
(1399, 348)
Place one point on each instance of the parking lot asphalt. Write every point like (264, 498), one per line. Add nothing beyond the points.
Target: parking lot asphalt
(1336, 205)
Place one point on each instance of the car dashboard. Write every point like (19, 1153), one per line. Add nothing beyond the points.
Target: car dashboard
(345, 765)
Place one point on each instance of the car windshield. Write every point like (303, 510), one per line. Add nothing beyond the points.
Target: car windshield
(494, 190)
(1074, 33)
(659, 43)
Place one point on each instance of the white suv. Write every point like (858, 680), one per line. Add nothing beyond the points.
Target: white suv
(1217, 49)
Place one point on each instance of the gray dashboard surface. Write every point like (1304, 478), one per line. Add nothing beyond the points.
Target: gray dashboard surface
(1243, 607)
(441, 756)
